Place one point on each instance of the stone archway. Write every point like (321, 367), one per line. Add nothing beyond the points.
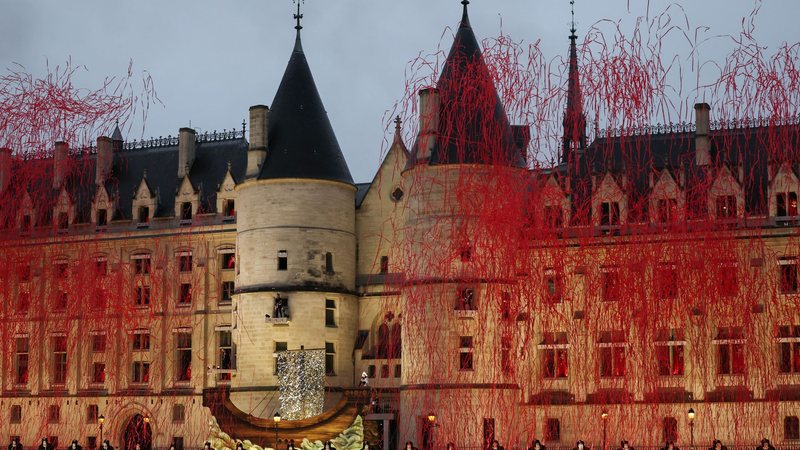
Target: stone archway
(137, 431)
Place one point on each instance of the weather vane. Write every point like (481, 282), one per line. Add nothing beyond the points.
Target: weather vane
(298, 16)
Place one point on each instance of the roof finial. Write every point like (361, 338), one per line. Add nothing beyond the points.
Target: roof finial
(397, 122)
(465, 16)
(298, 16)
(572, 28)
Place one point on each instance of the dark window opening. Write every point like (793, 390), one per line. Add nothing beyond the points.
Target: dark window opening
(141, 265)
(53, 416)
(185, 262)
(553, 217)
(141, 341)
(92, 413)
(102, 217)
(228, 261)
(330, 313)
(666, 282)
(730, 351)
(465, 300)
(330, 359)
(26, 224)
(61, 301)
(63, 221)
(555, 349)
(283, 260)
(98, 373)
(178, 413)
(329, 263)
(144, 215)
(670, 429)
(610, 284)
(225, 361)
(228, 208)
(183, 367)
(786, 204)
(552, 430)
(465, 353)
(16, 414)
(185, 295)
(186, 212)
(281, 307)
(788, 274)
(142, 295)
(726, 206)
(279, 347)
(59, 360)
(465, 253)
(227, 291)
(669, 352)
(397, 194)
(609, 214)
(384, 269)
(141, 372)
(791, 428)
(789, 348)
(99, 343)
(667, 210)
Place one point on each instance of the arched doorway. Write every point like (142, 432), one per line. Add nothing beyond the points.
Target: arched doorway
(137, 431)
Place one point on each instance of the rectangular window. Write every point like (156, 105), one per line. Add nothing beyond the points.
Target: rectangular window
(185, 262)
(141, 264)
(24, 272)
(101, 266)
(465, 301)
(612, 353)
(669, 352)
(91, 442)
(670, 429)
(141, 340)
(279, 347)
(283, 260)
(555, 352)
(371, 371)
(61, 301)
(178, 413)
(552, 286)
(789, 348)
(53, 415)
(384, 265)
(186, 212)
(666, 281)
(227, 292)
(61, 269)
(728, 278)
(788, 274)
(63, 221)
(21, 360)
(330, 359)
(16, 414)
(144, 215)
(228, 209)
(506, 364)
(791, 428)
(329, 263)
(99, 342)
(552, 430)
(609, 214)
(142, 295)
(185, 294)
(141, 372)
(330, 313)
(787, 204)
(609, 278)
(465, 353)
(488, 432)
(92, 414)
(730, 351)
(667, 210)
(225, 361)
(59, 360)
(98, 373)
(178, 441)
(398, 369)
(23, 302)
(183, 360)
(384, 371)
(102, 217)
(726, 206)
(553, 217)
(26, 223)
(228, 261)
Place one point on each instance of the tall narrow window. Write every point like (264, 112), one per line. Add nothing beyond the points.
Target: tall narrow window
(283, 260)
(144, 215)
(329, 263)
(185, 262)
(465, 300)
(789, 348)
(141, 340)
(786, 204)
(788, 275)
(791, 428)
(141, 264)
(63, 221)
(101, 266)
(98, 373)
(142, 296)
(228, 209)
(185, 294)
(669, 352)
(92, 414)
(61, 301)
(728, 278)
(612, 353)
(53, 416)
(465, 353)
(553, 216)
(330, 313)
(141, 372)
(23, 302)
(59, 349)
(99, 342)
(730, 351)
(186, 212)
(228, 261)
(281, 347)
(609, 278)
(102, 217)
(227, 291)
(670, 429)
(609, 214)
(726, 206)
(555, 352)
(26, 224)
(666, 281)
(16, 414)
(330, 359)
(552, 286)
(667, 210)
(384, 265)
(552, 430)
(61, 269)
(183, 360)
(21, 360)
(506, 364)
(225, 361)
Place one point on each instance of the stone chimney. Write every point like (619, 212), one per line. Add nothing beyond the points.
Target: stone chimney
(429, 105)
(186, 150)
(702, 144)
(259, 130)
(105, 158)
(5, 168)
(60, 155)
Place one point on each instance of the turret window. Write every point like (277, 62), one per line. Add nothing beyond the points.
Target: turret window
(283, 260)
(329, 263)
(186, 212)
(384, 264)
(330, 313)
(330, 359)
(228, 209)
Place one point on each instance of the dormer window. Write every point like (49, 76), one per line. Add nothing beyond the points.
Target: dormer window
(63, 222)
(144, 216)
(667, 210)
(102, 217)
(609, 214)
(552, 217)
(228, 209)
(26, 223)
(186, 213)
(787, 204)
(726, 206)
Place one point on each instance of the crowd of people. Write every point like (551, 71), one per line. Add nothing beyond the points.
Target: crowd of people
(495, 445)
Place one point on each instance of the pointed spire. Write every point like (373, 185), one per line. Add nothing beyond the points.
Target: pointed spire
(117, 134)
(398, 138)
(574, 118)
(298, 46)
(465, 15)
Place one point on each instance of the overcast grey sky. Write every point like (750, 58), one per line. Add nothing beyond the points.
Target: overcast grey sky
(212, 59)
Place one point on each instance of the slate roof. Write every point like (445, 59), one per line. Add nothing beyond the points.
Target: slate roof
(301, 140)
(473, 126)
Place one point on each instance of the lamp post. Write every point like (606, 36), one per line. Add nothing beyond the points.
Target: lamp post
(276, 418)
(432, 423)
(690, 414)
(101, 419)
(604, 416)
